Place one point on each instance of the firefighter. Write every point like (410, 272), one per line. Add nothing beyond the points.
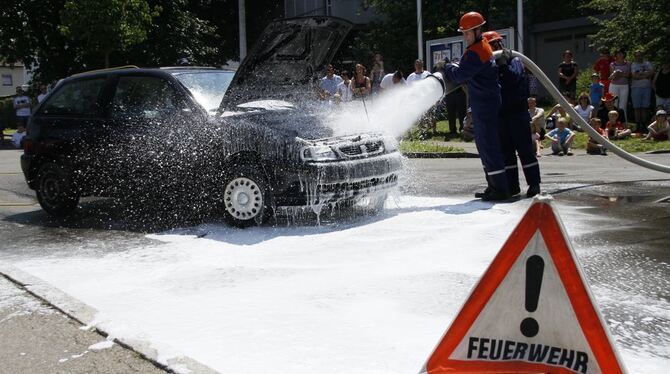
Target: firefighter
(478, 70)
(514, 132)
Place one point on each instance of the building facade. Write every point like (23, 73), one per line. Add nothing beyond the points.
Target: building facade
(11, 76)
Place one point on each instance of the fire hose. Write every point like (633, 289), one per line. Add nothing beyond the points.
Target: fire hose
(449, 87)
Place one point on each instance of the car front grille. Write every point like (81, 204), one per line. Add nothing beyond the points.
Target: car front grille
(362, 150)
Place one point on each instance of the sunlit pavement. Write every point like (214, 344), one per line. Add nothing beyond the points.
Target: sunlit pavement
(370, 293)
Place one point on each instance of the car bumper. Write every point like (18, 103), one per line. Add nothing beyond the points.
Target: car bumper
(318, 183)
(26, 167)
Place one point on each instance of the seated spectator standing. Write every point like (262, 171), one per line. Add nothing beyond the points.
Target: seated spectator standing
(607, 106)
(602, 67)
(561, 138)
(620, 81)
(640, 88)
(330, 82)
(360, 84)
(393, 80)
(596, 90)
(659, 129)
(535, 135)
(584, 107)
(615, 129)
(22, 106)
(343, 89)
(376, 76)
(17, 137)
(567, 74)
(593, 147)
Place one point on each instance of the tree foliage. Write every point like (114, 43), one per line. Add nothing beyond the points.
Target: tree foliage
(634, 24)
(106, 26)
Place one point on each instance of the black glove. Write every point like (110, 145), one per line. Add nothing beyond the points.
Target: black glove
(505, 58)
(439, 66)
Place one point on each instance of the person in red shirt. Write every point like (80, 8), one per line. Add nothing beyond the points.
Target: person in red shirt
(593, 147)
(602, 67)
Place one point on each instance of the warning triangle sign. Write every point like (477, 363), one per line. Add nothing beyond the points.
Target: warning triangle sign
(531, 312)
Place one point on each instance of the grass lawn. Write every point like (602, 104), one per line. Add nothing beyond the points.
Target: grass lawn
(427, 146)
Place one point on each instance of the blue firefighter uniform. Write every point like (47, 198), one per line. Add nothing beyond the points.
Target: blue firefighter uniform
(515, 124)
(479, 71)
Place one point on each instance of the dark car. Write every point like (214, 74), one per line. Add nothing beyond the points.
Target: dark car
(167, 135)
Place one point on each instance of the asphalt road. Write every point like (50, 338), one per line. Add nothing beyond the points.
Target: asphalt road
(38, 339)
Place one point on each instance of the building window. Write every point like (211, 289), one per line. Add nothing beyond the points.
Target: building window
(7, 80)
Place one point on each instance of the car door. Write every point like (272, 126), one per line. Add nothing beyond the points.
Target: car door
(148, 113)
(71, 128)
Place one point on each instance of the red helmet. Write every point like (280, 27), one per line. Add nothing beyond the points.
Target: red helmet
(492, 36)
(470, 21)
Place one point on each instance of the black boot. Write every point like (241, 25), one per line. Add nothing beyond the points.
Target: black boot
(533, 190)
(513, 191)
(495, 195)
(479, 195)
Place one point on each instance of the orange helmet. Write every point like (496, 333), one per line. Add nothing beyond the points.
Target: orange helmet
(492, 36)
(470, 21)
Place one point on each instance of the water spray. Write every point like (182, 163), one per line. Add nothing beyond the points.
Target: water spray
(555, 93)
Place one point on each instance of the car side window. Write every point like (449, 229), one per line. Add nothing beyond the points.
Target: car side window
(78, 98)
(144, 97)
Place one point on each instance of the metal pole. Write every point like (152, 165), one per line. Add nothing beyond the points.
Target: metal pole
(243, 29)
(519, 24)
(419, 29)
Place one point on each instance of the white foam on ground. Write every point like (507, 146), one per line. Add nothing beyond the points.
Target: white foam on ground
(372, 295)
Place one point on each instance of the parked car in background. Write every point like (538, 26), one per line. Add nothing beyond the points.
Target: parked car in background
(171, 136)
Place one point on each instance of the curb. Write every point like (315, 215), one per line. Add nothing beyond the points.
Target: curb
(86, 316)
(658, 151)
(440, 155)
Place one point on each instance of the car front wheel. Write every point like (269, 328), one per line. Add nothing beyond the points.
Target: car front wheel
(56, 190)
(246, 198)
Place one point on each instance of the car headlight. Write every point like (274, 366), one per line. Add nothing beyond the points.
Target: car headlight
(317, 153)
(390, 144)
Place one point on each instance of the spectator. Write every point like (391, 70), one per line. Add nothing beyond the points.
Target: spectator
(43, 93)
(642, 73)
(567, 74)
(596, 89)
(360, 85)
(584, 107)
(606, 107)
(380, 60)
(561, 138)
(619, 81)
(659, 129)
(393, 80)
(536, 116)
(557, 113)
(468, 133)
(376, 76)
(22, 106)
(418, 73)
(533, 84)
(17, 137)
(456, 108)
(615, 129)
(602, 67)
(343, 89)
(661, 85)
(593, 147)
(535, 135)
(330, 82)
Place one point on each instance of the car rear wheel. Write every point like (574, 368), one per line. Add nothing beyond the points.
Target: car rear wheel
(56, 190)
(246, 198)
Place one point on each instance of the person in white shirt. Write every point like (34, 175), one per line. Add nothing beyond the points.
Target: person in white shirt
(536, 116)
(584, 108)
(343, 90)
(393, 80)
(17, 137)
(329, 83)
(43, 93)
(22, 106)
(419, 73)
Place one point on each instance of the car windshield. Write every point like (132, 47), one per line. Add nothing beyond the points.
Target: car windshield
(208, 87)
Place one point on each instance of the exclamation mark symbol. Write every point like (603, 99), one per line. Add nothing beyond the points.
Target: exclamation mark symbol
(534, 270)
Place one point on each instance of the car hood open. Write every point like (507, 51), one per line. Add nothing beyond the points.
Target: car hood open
(287, 61)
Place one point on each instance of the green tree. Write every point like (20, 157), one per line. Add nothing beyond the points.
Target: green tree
(634, 24)
(106, 26)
